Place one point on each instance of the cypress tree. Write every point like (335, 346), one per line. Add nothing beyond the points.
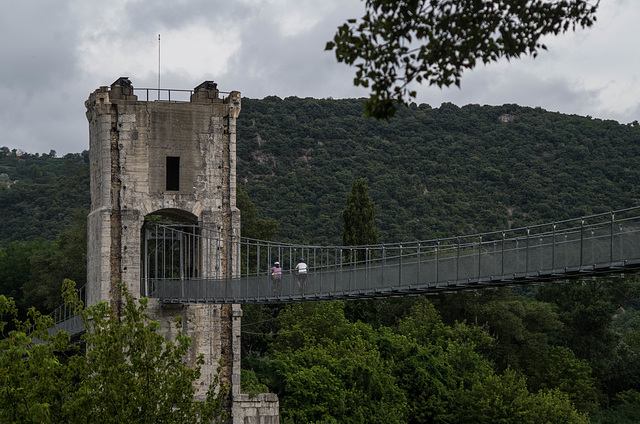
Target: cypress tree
(358, 217)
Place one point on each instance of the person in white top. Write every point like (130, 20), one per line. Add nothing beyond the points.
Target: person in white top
(301, 271)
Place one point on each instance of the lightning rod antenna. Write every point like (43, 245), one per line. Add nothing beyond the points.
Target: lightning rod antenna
(158, 66)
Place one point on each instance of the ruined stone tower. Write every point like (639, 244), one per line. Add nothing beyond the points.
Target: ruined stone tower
(176, 159)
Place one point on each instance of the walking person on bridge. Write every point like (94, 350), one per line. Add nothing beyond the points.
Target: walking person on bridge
(301, 271)
(276, 278)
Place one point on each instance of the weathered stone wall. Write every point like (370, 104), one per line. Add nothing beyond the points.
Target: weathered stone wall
(259, 409)
(130, 141)
(206, 324)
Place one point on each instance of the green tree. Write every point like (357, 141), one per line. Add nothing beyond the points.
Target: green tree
(36, 380)
(625, 409)
(326, 369)
(360, 230)
(358, 217)
(521, 327)
(398, 42)
(437, 361)
(560, 369)
(587, 309)
(65, 258)
(16, 268)
(468, 388)
(129, 372)
(504, 399)
(252, 225)
(42, 203)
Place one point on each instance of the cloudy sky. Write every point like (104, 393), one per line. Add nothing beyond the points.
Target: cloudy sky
(54, 53)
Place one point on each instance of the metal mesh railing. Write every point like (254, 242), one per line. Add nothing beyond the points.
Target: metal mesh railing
(189, 264)
(65, 319)
(171, 95)
(185, 263)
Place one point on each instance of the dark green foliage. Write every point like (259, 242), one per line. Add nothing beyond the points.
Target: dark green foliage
(46, 192)
(32, 272)
(334, 373)
(398, 42)
(15, 270)
(522, 330)
(250, 383)
(587, 310)
(625, 410)
(558, 368)
(433, 172)
(358, 216)
(251, 225)
(520, 326)
(260, 324)
(64, 258)
(328, 369)
(129, 372)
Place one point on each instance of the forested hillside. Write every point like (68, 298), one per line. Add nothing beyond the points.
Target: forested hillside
(432, 172)
(39, 193)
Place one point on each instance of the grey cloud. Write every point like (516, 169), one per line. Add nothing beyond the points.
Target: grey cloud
(149, 17)
(272, 64)
(497, 86)
(38, 42)
(44, 90)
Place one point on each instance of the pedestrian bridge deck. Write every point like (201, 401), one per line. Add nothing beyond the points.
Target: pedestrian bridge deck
(586, 247)
(183, 264)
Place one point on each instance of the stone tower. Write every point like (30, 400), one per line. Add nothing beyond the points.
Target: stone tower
(176, 159)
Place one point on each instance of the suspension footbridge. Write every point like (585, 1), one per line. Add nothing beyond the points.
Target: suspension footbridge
(589, 246)
(184, 263)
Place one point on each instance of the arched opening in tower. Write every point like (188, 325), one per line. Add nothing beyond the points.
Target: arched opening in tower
(172, 257)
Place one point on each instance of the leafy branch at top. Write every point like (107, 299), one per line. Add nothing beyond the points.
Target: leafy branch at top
(433, 41)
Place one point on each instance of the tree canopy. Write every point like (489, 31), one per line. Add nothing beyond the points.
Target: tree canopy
(128, 373)
(39, 193)
(433, 41)
(420, 372)
(358, 216)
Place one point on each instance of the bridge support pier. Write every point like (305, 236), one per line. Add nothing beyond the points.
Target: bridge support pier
(208, 325)
(172, 160)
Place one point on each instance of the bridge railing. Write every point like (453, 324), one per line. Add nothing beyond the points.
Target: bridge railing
(191, 264)
(185, 263)
(65, 319)
(171, 95)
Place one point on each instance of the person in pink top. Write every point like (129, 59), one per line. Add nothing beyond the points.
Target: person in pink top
(276, 277)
